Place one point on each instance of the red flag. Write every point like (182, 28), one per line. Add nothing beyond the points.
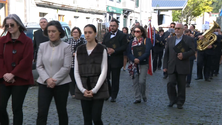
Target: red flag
(149, 35)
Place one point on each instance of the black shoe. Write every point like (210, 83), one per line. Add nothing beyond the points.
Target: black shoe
(211, 77)
(207, 80)
(171, 104)
(165, 77)
(215, 74)
(106, 99)
(188, 85)
(179, 106)
(113, 100)
(145, 99)
(137, 101)
(198, 78)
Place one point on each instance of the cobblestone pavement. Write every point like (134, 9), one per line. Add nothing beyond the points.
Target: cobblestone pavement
(203, 105)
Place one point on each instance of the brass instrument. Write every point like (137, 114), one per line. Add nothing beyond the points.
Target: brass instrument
(209, 38)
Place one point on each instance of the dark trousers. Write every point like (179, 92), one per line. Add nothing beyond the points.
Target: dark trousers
(92, 111)
(165, 74)
(45, 95)
(216, 64)
(178, 80)
(73, 83)
(114, 87)
(157, 56)
(189, 76)
(203, 60)
(18, 95)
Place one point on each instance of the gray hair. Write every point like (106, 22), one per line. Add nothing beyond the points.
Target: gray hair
(17, 20)
(43, 19)
(182, 26)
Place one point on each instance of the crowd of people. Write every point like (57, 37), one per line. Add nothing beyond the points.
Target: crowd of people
(90, 71)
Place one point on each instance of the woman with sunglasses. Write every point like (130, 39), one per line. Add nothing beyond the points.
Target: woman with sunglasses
(91, 65)
(138, 65)
(74, 42)
(16, 55)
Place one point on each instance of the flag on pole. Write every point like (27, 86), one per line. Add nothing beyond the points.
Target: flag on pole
(150, 69)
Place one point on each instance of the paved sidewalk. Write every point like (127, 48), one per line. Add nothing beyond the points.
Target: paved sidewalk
(203, 105)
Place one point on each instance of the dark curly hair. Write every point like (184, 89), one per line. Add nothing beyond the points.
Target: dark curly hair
(142, 30)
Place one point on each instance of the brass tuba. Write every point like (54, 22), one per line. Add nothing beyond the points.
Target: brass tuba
(209, 38)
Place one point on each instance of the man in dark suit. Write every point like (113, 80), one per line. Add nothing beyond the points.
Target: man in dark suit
(115, 59)
(167, 35)
(158, 50)
(178, 66)
(39, 37)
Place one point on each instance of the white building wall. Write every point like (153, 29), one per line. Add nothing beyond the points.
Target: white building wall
(199, 21)
(31, 12)
(146, 9)
(17, 7)
(2, 15)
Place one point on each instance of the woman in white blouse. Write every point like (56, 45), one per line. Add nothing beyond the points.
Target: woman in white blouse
(53, 66)
(90, 74)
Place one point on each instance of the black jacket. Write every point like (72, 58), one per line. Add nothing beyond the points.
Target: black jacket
(116, 59)
(145, 56)
(38, 38)
(159, 44)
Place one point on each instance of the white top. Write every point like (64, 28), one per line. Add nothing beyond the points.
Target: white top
(54, 61)
(102, 77)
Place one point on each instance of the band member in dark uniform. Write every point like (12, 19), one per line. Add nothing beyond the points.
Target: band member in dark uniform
(115, 59)
(158, 50)
(204, 59)
(194, 32)
(217, 54)
(192, 58)
(166, 35)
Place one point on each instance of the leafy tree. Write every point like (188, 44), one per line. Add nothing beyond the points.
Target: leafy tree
(216, 6)
(193, 9)
(176, 15)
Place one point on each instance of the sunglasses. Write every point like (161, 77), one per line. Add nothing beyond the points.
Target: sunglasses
(11, 25)
(172, 26)
(178, 28)
(137, 31)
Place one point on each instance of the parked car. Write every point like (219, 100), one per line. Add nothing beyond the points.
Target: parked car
(32, 27)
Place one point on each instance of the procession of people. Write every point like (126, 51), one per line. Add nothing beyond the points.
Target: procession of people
(90, 71)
